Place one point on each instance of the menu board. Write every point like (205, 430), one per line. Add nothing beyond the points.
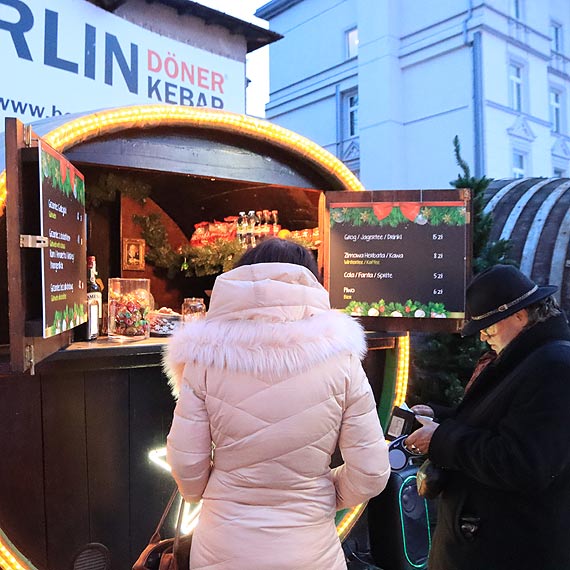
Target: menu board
(62, 218)
(399, 254)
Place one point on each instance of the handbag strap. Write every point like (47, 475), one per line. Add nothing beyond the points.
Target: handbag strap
(156, 535)
(178, 528)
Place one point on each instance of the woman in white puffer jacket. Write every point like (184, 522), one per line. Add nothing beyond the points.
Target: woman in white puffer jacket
(267, 385)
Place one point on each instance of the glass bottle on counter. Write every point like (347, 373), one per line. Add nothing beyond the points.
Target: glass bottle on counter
(94, 300)
(252, 221)
(193, 308)
(241, 228)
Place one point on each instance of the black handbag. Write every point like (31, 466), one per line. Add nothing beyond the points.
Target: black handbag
(168, 553)
(430, 480)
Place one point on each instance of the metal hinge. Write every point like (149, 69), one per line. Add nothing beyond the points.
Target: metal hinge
(33, 241)
(29, 356)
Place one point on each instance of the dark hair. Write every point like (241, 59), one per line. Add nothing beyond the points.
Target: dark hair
(276, 250)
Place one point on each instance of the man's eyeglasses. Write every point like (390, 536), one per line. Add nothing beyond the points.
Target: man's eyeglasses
(489, 331)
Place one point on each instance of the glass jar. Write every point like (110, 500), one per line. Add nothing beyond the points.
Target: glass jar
(129, 305)
(193, 308)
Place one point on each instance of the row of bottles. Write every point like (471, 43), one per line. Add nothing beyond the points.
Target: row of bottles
(257, 225)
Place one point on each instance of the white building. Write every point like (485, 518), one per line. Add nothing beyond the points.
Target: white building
(386, 84)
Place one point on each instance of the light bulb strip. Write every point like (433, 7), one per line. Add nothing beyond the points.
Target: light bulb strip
(403, 369)
(10, 558)
(348, 520)
(107, 122)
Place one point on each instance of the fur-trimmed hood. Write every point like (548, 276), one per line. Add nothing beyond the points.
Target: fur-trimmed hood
(269, 318)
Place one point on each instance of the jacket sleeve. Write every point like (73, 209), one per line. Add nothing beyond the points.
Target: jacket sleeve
(366, 468)
(528, 448)
(189, 443)
(441, 412)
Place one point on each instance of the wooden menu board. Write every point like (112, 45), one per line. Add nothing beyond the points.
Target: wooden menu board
(399, 259)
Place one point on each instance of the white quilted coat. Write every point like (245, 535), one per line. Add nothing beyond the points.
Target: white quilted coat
(271, 381)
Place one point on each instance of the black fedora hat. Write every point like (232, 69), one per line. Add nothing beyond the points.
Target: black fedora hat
(497, 293)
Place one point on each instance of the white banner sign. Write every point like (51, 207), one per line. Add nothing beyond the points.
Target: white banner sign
(67, 56)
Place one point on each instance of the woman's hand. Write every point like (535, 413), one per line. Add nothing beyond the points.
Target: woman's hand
(418, 441)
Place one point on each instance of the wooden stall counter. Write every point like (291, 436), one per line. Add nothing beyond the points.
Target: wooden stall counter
(77, 438)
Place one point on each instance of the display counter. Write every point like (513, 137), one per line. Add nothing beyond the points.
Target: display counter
(76, 437)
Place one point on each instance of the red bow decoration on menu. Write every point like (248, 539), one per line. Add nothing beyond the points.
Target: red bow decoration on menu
(409, 209)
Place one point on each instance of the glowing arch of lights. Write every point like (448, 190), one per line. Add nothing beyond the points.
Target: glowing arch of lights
(100, 123)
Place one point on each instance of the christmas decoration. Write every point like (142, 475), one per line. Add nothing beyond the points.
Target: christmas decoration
(394, 215)
(61, 178)
(192, 261)
(106, 186)
(410, 308)
(213, 248)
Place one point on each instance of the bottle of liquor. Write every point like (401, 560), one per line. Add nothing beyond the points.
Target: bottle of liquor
(241, 228)
(94, 300)
(250, 232)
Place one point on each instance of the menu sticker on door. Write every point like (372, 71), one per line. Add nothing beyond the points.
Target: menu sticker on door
(398, 257)
(62, 215)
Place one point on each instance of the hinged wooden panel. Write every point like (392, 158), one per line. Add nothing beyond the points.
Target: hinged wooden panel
(24, 265)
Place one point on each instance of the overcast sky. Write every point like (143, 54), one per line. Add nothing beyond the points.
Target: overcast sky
(258, 61)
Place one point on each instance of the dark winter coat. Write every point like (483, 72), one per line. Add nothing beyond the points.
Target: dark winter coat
(506, 449)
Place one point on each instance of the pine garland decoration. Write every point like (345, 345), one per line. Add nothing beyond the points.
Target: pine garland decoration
(434, 215)
(410, 308)
(105, 189)
(158, 251)
(191, 261)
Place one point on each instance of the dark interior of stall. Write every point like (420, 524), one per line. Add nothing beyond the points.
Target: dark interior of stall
(181, 202)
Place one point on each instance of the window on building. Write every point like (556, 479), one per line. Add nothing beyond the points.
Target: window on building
(351, 43)
(350, 114)
(519, 164)
(555, 101)
(516, 86)
(558, 173)
(517, 9)
(556, 37)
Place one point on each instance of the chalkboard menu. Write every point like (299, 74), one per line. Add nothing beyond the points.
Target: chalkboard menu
(398, 254)
(62, 215)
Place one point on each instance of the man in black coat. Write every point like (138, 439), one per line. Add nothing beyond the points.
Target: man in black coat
(505, 450)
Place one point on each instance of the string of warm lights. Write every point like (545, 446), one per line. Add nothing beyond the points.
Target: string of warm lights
(8, 560)
(101, 123)
(402, 370)
(347, 522)
(192, 510)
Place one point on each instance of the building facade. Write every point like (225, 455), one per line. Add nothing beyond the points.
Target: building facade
(385, 85)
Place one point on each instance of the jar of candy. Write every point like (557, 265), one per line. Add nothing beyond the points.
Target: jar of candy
(129, 306)
(193, 308)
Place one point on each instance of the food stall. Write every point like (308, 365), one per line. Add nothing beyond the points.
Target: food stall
(82, 424)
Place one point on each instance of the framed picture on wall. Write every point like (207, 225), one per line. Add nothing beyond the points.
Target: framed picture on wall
(133, 254)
